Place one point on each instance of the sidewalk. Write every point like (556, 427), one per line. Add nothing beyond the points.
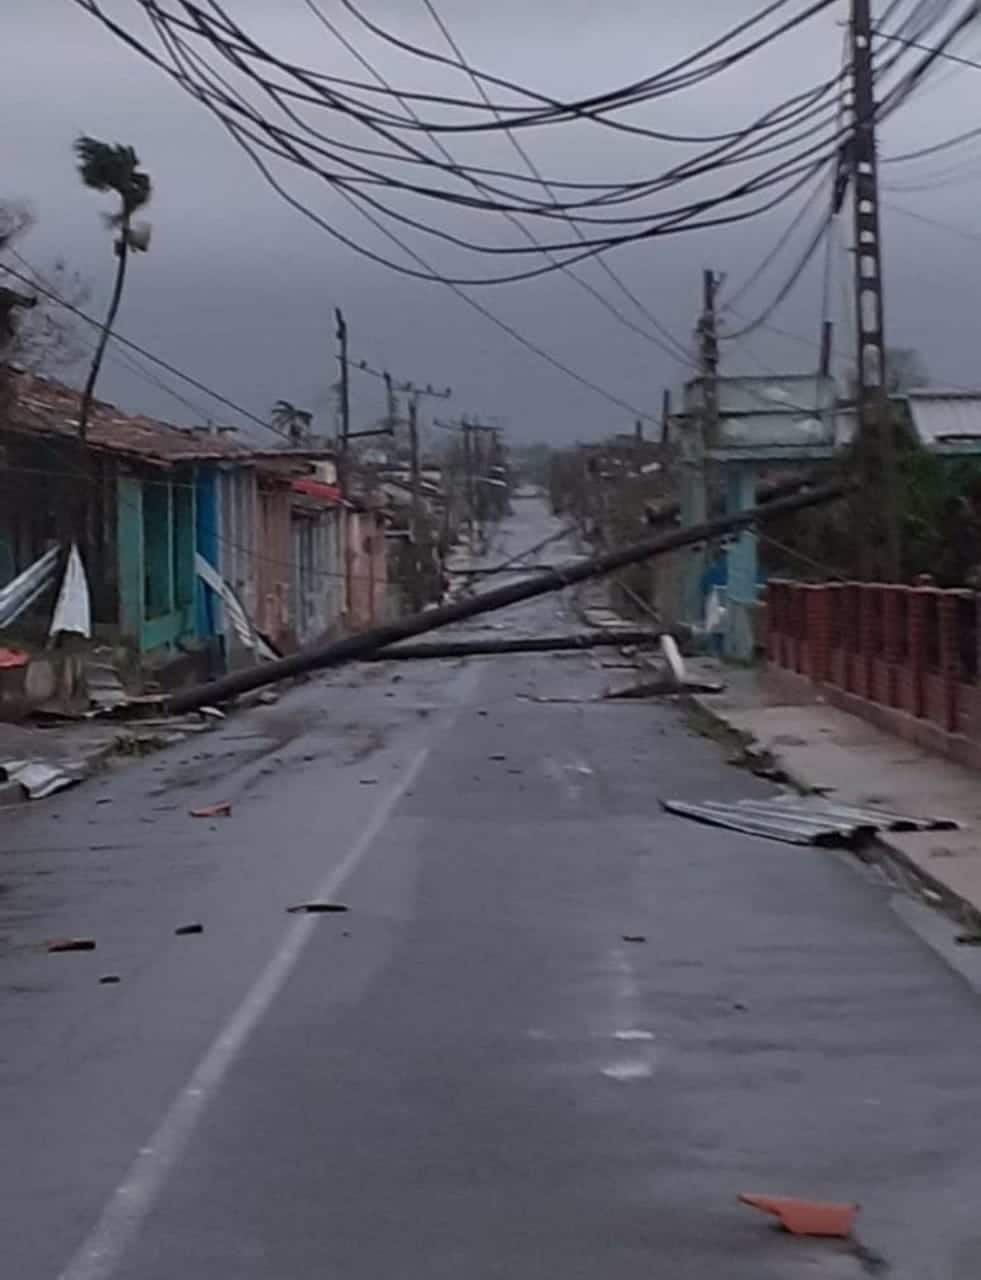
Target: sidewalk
(37, 762)
(820, 748)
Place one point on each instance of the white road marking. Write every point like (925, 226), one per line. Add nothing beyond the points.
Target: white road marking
(102, 1252)
(626, 999)
(631, 1069)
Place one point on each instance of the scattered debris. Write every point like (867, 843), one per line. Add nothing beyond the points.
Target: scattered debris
(108, 978)
(223, 809)
(807, 1217)
(634, 937)
(38, 779)
(367, 782)
(211, 713)
(498, 755)
(969, 939)
(267, 697)
(70, 944)
(796, 820)
(184, 930)
(317, 908)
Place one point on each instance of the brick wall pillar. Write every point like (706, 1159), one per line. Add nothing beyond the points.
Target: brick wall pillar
(892, 642)
(950, 661)
(916, 609)
(866, 646)
(819, 633)
(776, 622)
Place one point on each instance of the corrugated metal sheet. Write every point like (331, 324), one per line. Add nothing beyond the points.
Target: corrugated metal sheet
(939, 416)
(798, 820)
(237, 532)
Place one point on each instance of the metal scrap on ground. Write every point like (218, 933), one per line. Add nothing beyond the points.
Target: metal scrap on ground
(317, 908)
(223, 809)
(796, 820)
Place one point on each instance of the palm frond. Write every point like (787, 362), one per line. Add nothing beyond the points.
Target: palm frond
(106, 166)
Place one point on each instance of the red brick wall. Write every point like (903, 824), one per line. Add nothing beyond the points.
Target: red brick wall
(911, 650)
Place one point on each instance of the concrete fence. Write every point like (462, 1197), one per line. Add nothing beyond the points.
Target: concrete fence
(904, 657)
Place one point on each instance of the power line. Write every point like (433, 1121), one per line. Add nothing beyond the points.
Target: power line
(973, 12)
(933, 222)
(148, 355)
(663, 338)
(512, 218)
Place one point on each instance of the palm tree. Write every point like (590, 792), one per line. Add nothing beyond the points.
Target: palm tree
(105, 166)
(290, 420)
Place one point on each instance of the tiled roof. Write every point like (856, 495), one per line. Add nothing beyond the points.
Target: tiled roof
(43, 407)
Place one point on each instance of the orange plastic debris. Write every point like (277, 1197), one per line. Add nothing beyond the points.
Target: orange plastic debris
(807, 1217)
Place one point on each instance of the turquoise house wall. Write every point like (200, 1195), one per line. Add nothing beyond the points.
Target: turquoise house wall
(155, 519)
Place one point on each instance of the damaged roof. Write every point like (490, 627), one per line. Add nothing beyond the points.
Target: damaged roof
(43, 407)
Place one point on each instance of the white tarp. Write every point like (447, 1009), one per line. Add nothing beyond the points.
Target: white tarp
(21, 592)
(72, 612)
(237, 615)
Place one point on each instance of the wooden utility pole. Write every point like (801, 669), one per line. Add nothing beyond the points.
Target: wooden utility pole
(416, 586)
(709, 358)
(876, 433)
(362, 644)
(345, 385)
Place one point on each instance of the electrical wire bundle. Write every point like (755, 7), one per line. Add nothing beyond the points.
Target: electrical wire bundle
(783, 147)
(828, 191)
(386, 151)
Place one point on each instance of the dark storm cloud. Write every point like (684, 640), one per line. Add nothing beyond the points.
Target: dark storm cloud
(239, 290)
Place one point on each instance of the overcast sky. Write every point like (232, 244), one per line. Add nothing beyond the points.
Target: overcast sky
(238, 289)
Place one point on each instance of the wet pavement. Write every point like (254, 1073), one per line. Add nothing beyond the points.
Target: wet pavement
(555, 1034)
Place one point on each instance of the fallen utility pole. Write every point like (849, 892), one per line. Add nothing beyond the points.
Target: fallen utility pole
(503, 568)
(334, 654)
(527, 644)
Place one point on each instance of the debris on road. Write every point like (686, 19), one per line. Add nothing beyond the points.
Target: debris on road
(39, 779)
(223, 809)
(184, 930)
(109, 979)
(969, 939)
(70, 944)
(663, 686)
(795, 820)
(634, 937)
(317, 908)
(807, 1217)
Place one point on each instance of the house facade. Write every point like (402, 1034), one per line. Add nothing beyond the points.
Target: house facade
(194, 545)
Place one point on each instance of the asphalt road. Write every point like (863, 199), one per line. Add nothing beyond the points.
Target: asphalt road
(471, 1073)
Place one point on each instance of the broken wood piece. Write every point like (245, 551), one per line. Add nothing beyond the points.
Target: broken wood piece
(806, 1217)
(317, 908)
(184, 930)
(634, 937)
(223, 809)
(71, 944)
(108, 979)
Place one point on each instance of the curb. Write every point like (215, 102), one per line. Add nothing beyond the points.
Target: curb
(912, 876)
